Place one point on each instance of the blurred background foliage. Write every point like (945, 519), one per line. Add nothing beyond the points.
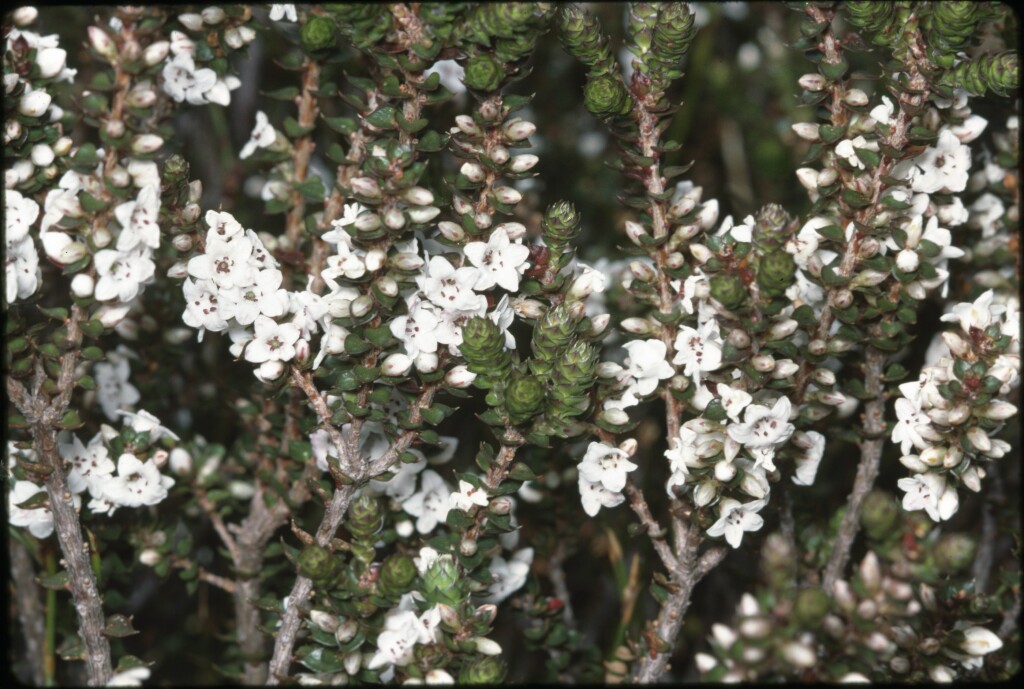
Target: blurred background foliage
(739, 98)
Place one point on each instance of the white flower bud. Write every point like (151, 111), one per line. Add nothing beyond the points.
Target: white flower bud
(131, 51)
(23, 16)
(396, 365)
(823, 376)
(141, 98)
(394, 218)
(462, 205)
(869, 247)
(518, 130)
(914, 463)
(843, 595)
(421, 216)
(418, 196)
(868, 278)
(468, 126)
(34, 103)
(598, 324)
(782, 329)
(451, 231)
(528, 308)
(195, 191)
(110, 315)
(708, 215)
(763, 362)
(150, 557)
(784, 368)
(812, 81)
(482, 220)
(362, 305)
(74, 251)
(426, 362)
(473, 172)
(608, 369)
(367, 222)
(615, 417)
(638, 326)
(701, 252)
(101, 43)
(42, 155)
(523, 162)
(114, 128)
(979, 438)
(635, 231)
(907, 260)
(191, 21)
(459, 377)
(725, 471)
(806, 130)
(366, 186)
(828, 177)
(51, 61)
(958, 414)
(999, 410)
(12, 130)
(119, 177)
(738, 338)
(507, 195)
(101, 237)
(643, 271)
(155, 53)
(212, 15)
(82, 285)
(269, 371)
(832, 398)
(957, 345)
(808, 178)
(585, 284)
(346, 631)
(182, 242)
(941, 674)
(799, 655)
(146, 143)
(514, 230)
(486, 646)
(856, 98)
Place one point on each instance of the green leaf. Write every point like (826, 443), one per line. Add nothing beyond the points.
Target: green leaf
(312, 189)
(70, 421)
(58, 313)
(57, 581)
(119, 626)
(288, 93)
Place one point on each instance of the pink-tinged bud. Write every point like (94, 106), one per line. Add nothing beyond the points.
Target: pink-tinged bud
(868, 278)
(141, 98)
(704, 493)
(784, 368)
(269, 371)
(461, 204)
(482, 220)
(212, 15)
(615, 417)
(150, 557)
(832, 398)
(638, 326)
(303, 352)
(426, 362)
(499, 155)
(468, 126)
(701, 252)
(489, 111)
(827, 177)
(817, 347)
(131, 51)
(738, 338)
(468, 547)
(507, 195)
(799, 655)
(514, 230)
(71, 253)
(407, 261)
(451, 231)
(23, 16)
(82, 285)
(114, 128)
(843, 595)
(856, 98)
(422, 216)
(51, 61)
(870, 573)
(518, 130)
(365, 186)
(954, 456)
(473, 172)
(523, 162)
(155, 53)
(178, 271)
(388, 286)
(119, 177)
(808, 178)
(147, 143)
(588, 282)
(841, 299)
(34, 103)
(394, 218)
(957, 345)
(643, 271)
(823, 376)
(160, 458)
(191, 21)
(763, 362)
(629, 446)
(449, 616)
(598, 324)
(418, 196)
(806, 130)
(681, 207)
(979, 439)
(500, 505)
(1000, 410)
(812, 81)
(362, 305)
(182, 242)
(782, 329)
(346, 631)
(459, 377)
(367, 222)
(191, 212)
(325, 621)
(12, 130)
(101, 43)
(635, 231)
(914, 463)
(528, 308)
(396, 365)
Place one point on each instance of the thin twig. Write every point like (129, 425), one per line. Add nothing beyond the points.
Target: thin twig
(30, 610)
(654, 530)
(982, 567)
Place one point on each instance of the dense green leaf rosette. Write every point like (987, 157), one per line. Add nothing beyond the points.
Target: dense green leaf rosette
(995, 73)
(483, 346)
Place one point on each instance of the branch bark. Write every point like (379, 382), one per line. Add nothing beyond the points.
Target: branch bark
(30, 610)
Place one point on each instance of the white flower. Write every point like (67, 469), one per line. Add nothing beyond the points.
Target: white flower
(977, 314)
(283, 12)
(594, 496)
(137, 483)
(418, 331)
(910, 421)
(395, 643)
(265, 296)
(807, 463)
(467, 496)
(226, 260)
(735, 519)
(121, 274)
(698, 351)
(508, 576)
(884, 113)
(202, 308)
(645, 366)
(21, 262)
(741, 233)
(451, 288)
(431, 504)
(350, 214)
(500, 261)
(130, 678)
(113, 389)
(144, 422)
(606, 465)
(451, 73)
(944, 166)
(90, 465)
(987, 214)
(847, 150)
(263, 134)
(183, 82)
(273, 341)
(931, 493)
(734, 400)
(38, 520)
(138, 220)
(764, 427)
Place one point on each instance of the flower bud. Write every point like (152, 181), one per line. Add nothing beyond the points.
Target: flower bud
(110, 315)
(325, 621)
(806, 130)
(346, 631)
(155, 53)
(365, 186)
(101, 43)
(269, 371)
(459, 377)
(191, 21)
(523, 162)
(507, 195)
(71, 253)
(150, 557)
(638, 326)
(418, 196)
(23, 16)
(808, 178)
(82, 285)
(468, 126)
(422, 216)
(482, 220)
(799, 655)
(827, 177)
(856, 98)
(957, 346)
(34, 103)
(426, 362)
(784, 368)
(823, 376)
(461, 204)
(499, 155)
(394, 219)
(514, 230)
(42, 155)
(763, 362)
(701, 252)
(146, 143)
(635, 231)
(362, 305)
(487, 646)
(979, 439)
(473, 172)
(907, 260)
(518, 130)
(212, 15)
(868, 278)
(467, 547)
(615, 417)
(738, 338)
(643, 271)
(999, 410)
(367, 222)
(451, 231)
(725, 471)
(51, 61)
(812, 81)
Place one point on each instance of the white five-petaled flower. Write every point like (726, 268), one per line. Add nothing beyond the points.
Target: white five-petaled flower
(283, 12)
(273, 341)
(736, 518)
(225, 261)
(113, 389)
(698, 350)
(138, 220)
(594, 496)
(931, 493)
(501, 261)
(137, 483)
(183, 82)
(944, 166)
(91, 465)
(144, 422)
(467, 496)
(734, 400)
(451, 288)
(979, 641)
(910, 421)
(38, 520)
(265, 296)
(418, 331)
(606, 465)
(763, 427)
(21, 260)
(202, 307)
(430, 504)
(509, 576)
(807, 463)
(263, 136)
(121, 274)
(977, 314)
(646, 365)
